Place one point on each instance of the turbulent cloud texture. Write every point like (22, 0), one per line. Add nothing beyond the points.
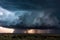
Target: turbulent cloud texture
(27, 17)
(29, 12)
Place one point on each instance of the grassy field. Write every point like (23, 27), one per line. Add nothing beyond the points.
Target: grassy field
(29, 37)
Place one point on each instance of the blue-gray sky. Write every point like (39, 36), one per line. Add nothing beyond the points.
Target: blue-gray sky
(13, 9)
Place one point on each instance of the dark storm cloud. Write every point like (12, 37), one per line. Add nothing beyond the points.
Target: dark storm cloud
(27, 18)
(41, 12)
(29, 4)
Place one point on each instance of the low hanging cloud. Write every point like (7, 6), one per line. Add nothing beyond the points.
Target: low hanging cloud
(8, 17)
(27, 17)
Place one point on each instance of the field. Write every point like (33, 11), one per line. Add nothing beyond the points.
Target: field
(29, 37)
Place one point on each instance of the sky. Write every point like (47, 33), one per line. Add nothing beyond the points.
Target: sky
(30, 12)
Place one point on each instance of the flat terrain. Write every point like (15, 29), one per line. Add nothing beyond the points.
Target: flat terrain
(29, 37)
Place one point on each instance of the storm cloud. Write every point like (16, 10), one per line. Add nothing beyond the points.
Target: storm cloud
(29, 12)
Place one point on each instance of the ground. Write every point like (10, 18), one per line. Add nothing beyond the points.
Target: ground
(29, 37)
